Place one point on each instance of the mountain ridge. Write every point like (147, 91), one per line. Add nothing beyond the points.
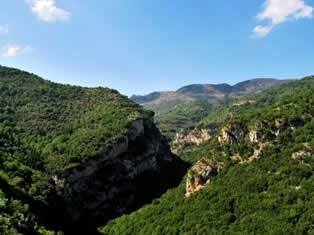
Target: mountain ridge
(222, 87)
(163, 101)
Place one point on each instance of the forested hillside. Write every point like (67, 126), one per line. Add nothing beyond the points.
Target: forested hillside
(52, 136)
(74, 158)
(254, 176)
(60, 120)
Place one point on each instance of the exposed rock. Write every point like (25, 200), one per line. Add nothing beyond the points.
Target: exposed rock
(230, 135)
(196, 136)
(237, 157)
(282, 125)
(242, 101)
(297, 188)
(278, 123)
(300, 155)
(201, 174)
(257, 152)
(106, 185)
(225, 137)
(253, 136)
(258, 132)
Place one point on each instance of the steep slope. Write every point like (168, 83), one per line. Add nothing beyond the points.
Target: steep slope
(255, 175)
(80, 153)
(162, 102)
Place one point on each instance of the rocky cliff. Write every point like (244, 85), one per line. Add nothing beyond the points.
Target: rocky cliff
(85, 153)
(107, 185)
(249, 138)
(200, 175)
(195, 136)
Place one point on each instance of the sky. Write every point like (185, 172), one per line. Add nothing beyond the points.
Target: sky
(141, 46)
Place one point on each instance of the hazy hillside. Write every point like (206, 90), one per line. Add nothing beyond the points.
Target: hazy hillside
(161, 102)
(188, 115)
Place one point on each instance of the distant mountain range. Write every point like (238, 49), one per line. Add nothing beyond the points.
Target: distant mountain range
(163, 101)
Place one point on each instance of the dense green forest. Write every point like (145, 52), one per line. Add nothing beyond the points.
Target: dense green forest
(58, 121)
(45, 128)
(273, 194)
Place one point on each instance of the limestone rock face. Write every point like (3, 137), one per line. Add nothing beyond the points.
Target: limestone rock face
(225, 137)
(230, 135)
(301, 154)
(260, 131)
(106, 185)
(196, 136)
(253, 136)
(201, 174)
(255, 133)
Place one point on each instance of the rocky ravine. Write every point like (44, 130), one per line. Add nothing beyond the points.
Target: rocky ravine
(109, 184)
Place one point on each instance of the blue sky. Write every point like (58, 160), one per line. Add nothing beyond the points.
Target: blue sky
(140, 46)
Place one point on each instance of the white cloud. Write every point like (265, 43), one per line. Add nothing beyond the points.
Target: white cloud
(262, 31)
(47, 10)
(4, 29)
(14, 50)
(280, 11)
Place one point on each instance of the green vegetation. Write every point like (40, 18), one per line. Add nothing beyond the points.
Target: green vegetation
(273, 194)
(46, 128)
(17, 218)
(207, 105)
(61, 123)
(182, 116)
(164, 106)
(230, 107)
(163, 102)
(212, 113)
(280, 202)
